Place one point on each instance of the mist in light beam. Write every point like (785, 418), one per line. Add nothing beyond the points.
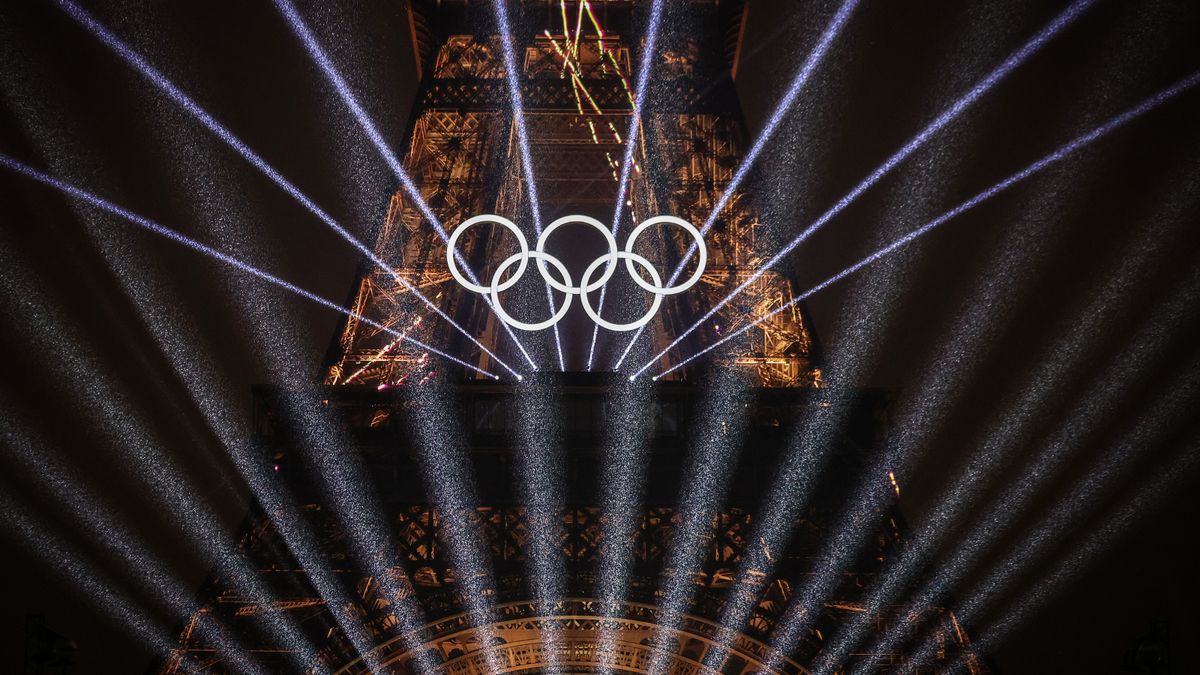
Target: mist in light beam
(345, 483)
(154, 227)
(983, 86)
(318, 55)
(110, 40)
(1058, 155)
(799, 80)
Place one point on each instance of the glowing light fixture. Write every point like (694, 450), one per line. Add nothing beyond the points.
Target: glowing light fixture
(586, 284)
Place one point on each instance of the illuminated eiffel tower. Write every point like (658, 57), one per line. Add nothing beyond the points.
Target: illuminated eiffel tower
(462, 151)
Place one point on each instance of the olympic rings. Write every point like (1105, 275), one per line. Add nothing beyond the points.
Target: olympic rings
(586, 284)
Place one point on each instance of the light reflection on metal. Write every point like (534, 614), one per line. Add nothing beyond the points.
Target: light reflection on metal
(730, 190)
(522, 649)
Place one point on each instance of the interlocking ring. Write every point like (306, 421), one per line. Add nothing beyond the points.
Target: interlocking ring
(586, 284)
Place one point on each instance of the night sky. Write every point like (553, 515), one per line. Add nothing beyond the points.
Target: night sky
(977, 307)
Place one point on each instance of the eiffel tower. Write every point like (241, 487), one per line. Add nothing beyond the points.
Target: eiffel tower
(576, 61)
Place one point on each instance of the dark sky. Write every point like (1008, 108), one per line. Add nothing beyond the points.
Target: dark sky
(980, 304)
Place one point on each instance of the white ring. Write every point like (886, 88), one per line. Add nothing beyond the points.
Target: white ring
(586, 284)
(486, 218)
(658, 288)
(608, 239)
(622, 327)
(494, 291)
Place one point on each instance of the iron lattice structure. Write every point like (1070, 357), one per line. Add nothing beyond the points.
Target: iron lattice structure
(462, 153)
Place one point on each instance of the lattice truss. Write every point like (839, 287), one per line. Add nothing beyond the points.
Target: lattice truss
(449, 159)
(454, 155)
(698, 154)
(468, 56)
(426, 576)
(577, 146)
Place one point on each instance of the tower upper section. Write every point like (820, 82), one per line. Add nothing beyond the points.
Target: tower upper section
(577, 64)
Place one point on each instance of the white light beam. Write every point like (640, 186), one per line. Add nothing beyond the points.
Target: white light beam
(777, 116)
(513, 79)
(199, 114)
(983, 86)
(318, 55)
(1054, 157)
(154, 227)
(645, 69)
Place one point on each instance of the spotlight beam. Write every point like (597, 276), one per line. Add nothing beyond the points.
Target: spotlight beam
(1170, 477)
(146, 223)
(983, 86)
(790, 490)
(1099, 478)
(1061, 153)
(318, 55)
(140, 64)
(99, 590)
(539, 463)
(1014, 430)
(623, 480)
(44, 466)
(840, 549)
(1101, 402)
(717, 442)
(513, 79)
(780, 111)
(645, 69)
(348, 489)
(450, 484)
(777, 116)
